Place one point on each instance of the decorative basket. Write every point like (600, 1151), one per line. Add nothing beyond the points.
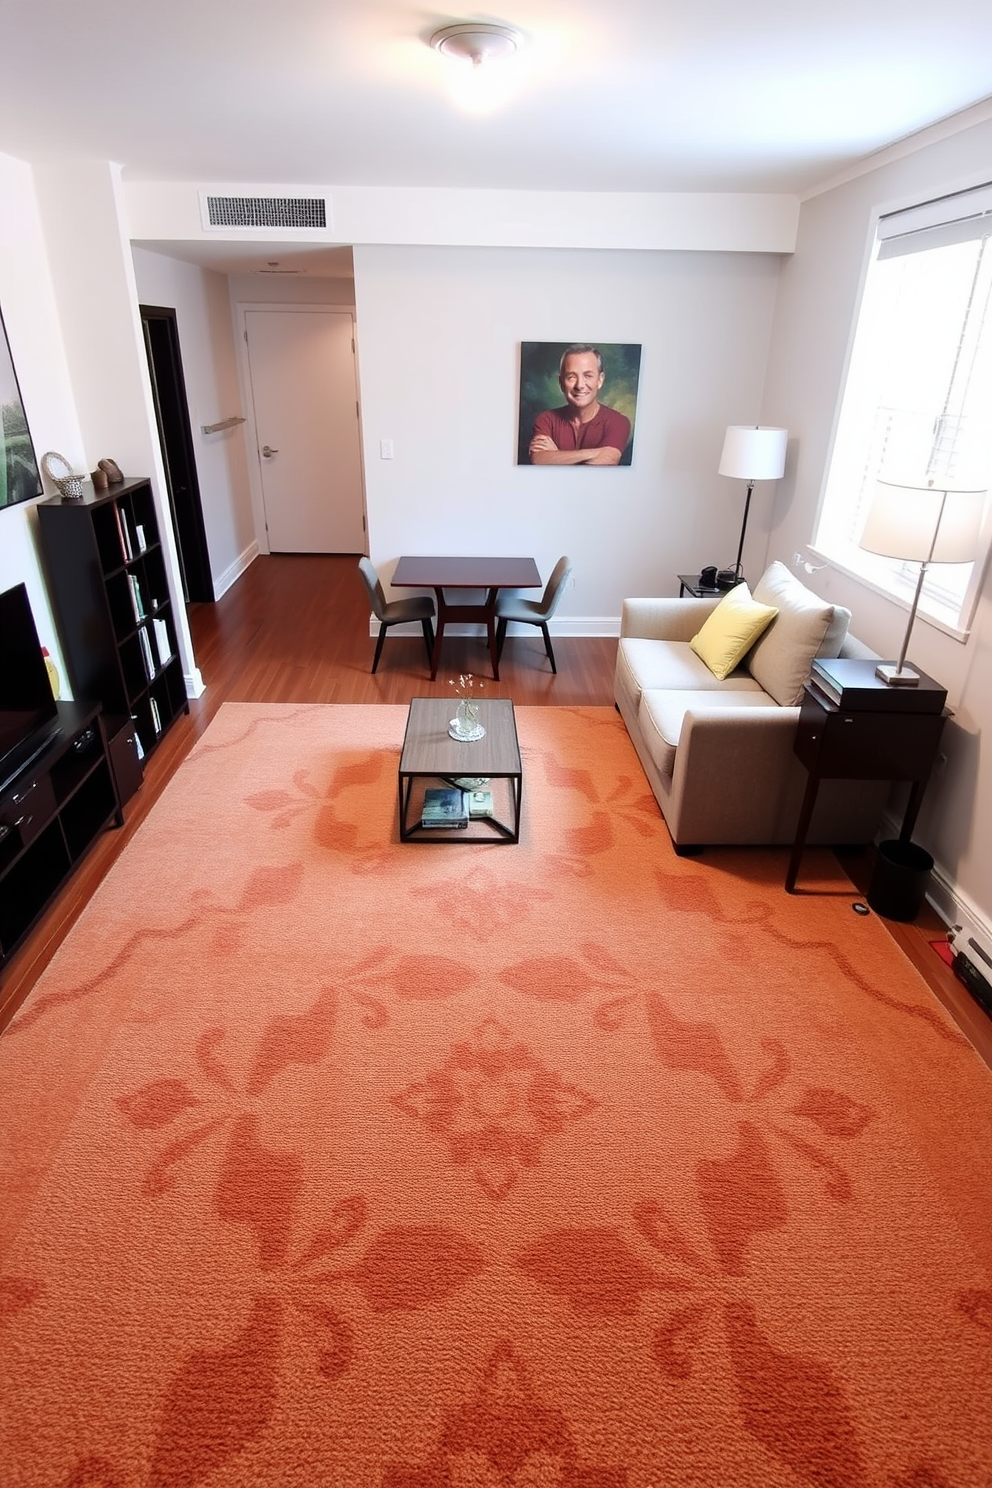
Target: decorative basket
(61, 474)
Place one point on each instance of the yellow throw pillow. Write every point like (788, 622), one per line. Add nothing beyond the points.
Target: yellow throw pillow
(731, 630)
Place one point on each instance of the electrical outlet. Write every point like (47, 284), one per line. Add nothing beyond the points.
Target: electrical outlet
(798, 560)
(385, 449)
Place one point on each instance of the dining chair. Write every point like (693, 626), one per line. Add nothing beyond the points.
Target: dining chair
(396, 611)
(533, 611)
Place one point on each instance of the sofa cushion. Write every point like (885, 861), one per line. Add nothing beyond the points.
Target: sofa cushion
(731, 630)
(643, 664)
(661, 715)
(805, 626)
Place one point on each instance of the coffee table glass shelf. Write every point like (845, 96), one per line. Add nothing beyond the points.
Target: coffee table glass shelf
(431, 759)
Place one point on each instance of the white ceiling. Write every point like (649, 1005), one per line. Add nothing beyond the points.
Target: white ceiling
(629, 95)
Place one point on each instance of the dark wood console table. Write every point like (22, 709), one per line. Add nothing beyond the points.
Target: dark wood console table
(874, 732)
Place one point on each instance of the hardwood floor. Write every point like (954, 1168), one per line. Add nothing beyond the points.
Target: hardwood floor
(295, 629)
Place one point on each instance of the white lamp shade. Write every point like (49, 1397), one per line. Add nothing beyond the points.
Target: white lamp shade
(754, 454)
(923, 524)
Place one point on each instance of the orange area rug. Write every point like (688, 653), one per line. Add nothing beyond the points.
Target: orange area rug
(335, 1162)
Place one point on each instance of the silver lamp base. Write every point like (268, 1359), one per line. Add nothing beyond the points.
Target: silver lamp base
(895, 676)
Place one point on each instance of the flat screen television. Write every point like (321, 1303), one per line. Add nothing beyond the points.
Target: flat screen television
(29, 715)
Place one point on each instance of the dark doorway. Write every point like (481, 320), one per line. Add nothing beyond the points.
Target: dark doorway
(176, 438)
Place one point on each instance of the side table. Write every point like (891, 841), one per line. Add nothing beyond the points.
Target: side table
(690, 584)
(873, 732)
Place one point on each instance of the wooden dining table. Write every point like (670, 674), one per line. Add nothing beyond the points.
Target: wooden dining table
(489, 574)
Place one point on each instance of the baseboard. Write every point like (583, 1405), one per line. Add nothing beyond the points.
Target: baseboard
(222, 582)
(569, 625)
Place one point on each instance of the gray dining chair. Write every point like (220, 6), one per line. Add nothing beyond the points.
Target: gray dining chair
(533, 611)
(396, 611)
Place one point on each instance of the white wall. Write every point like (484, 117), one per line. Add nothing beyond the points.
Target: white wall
(817, 306)
(92, 277)
(206, 337)
(439, 332)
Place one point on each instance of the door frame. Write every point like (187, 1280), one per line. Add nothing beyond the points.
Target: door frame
(160, 330)
(283, 307)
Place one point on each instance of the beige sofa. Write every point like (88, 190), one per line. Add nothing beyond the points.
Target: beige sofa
(718, 754)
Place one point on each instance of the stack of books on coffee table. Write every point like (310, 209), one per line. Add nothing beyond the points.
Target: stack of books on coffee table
(444, 806)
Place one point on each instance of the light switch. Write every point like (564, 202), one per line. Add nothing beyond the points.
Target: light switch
(385, 449)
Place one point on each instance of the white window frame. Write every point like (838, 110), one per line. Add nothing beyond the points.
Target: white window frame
(833, 541)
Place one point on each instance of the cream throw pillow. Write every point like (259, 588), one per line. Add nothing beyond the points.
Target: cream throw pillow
(731, 630)
(806, 626)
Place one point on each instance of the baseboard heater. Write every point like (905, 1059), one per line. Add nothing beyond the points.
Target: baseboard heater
(972, 965)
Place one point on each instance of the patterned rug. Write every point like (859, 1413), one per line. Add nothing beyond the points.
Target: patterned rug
(330, 1160)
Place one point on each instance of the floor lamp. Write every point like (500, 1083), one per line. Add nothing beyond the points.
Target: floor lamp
(750, 453)
(924, 525)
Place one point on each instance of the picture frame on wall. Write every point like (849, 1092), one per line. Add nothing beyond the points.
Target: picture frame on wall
(20, 478)
(578, 403)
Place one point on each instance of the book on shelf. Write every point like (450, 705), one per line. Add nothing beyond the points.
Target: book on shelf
(125, 532)
(139, 534)
(156, 716)
(161, 641)
(136, 597)
(146, 652)
(444, 806)
(121, 537)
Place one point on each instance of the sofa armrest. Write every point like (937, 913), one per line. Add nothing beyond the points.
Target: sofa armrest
(733, 769)
(664, 619)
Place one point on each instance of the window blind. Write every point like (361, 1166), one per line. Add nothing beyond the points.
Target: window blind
(961, 218)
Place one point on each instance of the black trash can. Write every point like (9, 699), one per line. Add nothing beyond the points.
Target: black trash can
(899, 880)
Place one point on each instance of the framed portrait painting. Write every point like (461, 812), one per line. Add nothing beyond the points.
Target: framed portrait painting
(19, 476)
(578, 402)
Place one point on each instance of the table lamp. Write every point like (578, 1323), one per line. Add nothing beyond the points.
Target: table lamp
(932, 523)
(751, 454)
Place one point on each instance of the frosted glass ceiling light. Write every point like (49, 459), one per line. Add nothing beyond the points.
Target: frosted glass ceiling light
(476, 42)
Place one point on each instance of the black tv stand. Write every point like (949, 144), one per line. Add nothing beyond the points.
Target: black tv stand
(37, 746)
(51, 813)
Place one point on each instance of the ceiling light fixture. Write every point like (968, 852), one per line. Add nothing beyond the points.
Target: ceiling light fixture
(476, 42)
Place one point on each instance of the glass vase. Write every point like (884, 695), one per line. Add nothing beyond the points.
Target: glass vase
(466, 724)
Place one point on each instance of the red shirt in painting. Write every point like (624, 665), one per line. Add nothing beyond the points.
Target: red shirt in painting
(608, 430)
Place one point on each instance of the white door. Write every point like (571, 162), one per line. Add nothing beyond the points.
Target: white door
(304, 391)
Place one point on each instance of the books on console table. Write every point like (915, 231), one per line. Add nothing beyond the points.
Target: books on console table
(852, 684)
(444, 806)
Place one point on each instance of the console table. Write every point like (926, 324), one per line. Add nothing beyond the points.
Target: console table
(868, 732)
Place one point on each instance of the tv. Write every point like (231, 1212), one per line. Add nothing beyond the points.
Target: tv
(29, 715)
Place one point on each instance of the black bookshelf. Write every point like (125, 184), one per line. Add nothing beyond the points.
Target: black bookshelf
(109, 585)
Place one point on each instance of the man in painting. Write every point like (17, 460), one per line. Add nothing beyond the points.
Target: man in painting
(585, 431)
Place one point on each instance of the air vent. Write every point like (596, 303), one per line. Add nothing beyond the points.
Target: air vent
(264, 211)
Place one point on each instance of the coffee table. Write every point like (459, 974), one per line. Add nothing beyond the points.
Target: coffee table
(431, 757)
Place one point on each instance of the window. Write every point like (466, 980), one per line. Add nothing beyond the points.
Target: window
(918, 399)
